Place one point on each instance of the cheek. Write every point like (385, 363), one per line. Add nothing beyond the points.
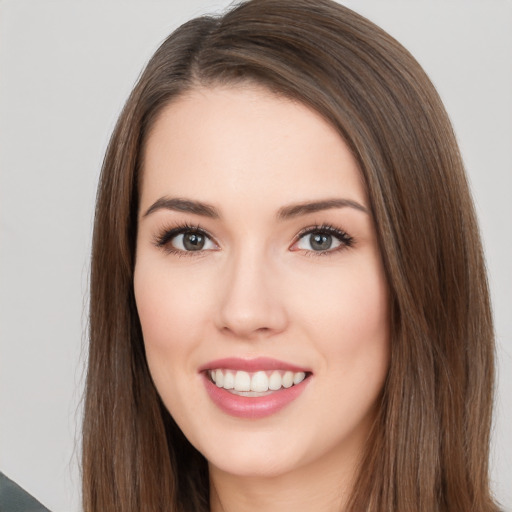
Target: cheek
(170, 308)
(349, 319)
(172, 313)
(351, 302)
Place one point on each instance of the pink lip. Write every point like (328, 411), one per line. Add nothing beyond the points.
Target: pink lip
(251, 365)
(252, 407)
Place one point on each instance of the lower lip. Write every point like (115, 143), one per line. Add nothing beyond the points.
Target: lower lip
(252, 407)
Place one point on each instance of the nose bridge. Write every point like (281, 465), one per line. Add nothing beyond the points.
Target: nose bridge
(250, 302)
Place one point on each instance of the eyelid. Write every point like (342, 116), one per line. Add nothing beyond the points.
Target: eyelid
(345, 239)
(164, 237)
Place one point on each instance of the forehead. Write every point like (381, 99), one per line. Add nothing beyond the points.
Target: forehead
(249, 142)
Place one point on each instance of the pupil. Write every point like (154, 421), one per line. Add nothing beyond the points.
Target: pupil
(193, 241)
(321, 242)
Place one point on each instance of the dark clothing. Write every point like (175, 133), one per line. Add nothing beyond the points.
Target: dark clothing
(14, 499)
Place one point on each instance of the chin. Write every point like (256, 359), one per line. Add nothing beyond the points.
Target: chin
(263, 454)
(254, 465)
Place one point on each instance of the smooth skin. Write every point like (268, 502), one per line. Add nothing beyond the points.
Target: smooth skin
(250, 276)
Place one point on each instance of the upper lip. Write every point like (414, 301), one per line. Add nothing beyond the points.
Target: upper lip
(251, 365)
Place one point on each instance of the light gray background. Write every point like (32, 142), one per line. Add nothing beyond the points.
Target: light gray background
(66, 68)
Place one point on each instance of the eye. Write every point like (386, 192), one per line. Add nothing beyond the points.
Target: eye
(322, 239)
(185, 239)
(191, 241)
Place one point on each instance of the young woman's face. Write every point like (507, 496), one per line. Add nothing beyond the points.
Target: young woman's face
(259, 283)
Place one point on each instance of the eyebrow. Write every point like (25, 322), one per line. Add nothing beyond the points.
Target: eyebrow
(286, 212)
(183, 205)
(295, 210)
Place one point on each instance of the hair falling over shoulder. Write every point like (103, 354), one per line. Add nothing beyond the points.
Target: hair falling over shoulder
(428, 450)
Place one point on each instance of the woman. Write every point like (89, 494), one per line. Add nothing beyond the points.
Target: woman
(288, 298)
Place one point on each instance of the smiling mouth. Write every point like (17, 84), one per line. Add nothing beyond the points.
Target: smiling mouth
(255, 384)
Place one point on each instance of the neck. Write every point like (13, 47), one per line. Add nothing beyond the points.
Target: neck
(322, 486)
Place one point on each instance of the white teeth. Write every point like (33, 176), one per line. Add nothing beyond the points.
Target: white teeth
(288, 380)
(242, 381)
(258, 382)
(275, 382)
(229, 380)
(298, 377)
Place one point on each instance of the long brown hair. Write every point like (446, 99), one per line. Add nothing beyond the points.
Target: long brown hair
(428, 450)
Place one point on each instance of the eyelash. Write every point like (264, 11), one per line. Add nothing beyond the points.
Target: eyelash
(166, 235)
(326, 229)
(163, 239)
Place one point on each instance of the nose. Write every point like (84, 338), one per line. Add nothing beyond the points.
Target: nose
(251, 303)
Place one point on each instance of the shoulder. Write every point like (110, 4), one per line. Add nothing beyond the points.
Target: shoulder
(14, 499)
